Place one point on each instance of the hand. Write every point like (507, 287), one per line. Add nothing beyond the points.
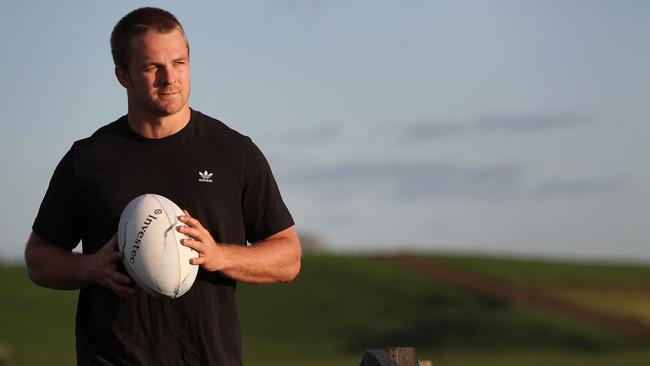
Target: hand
(102, 267)
(201, 241)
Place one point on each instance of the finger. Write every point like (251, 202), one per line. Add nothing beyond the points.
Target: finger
(186, 213)
(192, 244)
(190, 231)
(116, 257)
(113, 241)
(189, 220)
(123, 291)
(121, 279)
(197, 261)
(110, 245)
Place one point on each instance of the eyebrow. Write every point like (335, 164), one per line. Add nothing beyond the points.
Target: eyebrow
(155, 63)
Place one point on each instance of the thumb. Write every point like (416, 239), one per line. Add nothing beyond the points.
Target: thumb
(111, 244)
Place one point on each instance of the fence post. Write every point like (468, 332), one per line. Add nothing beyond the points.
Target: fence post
(404, 356)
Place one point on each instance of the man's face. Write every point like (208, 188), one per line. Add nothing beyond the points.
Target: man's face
(158, 78)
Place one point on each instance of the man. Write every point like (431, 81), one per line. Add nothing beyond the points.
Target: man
(160, 146)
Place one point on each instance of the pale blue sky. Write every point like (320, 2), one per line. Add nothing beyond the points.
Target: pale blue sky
(494, 126)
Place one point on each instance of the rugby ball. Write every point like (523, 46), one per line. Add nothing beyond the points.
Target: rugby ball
(153, 254)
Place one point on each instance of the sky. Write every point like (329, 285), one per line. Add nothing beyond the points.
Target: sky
(495, 127)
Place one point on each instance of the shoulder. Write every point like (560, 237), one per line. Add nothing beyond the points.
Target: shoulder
(109, 132)
(229, 142)
(214, 130)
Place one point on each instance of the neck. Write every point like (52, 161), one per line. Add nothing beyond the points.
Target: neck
(157, 127)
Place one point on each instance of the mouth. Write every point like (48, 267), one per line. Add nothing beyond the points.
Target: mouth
(168, 94)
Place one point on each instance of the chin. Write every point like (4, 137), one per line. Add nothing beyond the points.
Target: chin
(167, 110)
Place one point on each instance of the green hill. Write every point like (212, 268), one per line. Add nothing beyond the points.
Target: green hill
(341, 305)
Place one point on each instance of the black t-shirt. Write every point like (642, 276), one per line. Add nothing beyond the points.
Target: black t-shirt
(238, 203)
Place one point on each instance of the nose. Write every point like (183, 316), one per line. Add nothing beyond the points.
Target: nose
(166, 75)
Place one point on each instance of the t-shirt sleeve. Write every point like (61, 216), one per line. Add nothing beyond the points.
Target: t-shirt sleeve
(58, 218)
(264, 210)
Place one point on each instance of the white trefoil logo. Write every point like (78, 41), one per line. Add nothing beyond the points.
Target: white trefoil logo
(205, 177)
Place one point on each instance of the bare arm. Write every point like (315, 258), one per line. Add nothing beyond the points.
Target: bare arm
(275, 259)
(51, 266)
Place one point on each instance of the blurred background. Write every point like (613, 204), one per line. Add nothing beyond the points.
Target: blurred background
(500, 140)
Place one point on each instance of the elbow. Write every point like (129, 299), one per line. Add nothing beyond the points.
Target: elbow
(37, 258)
(32, 268)
(293, 267)
(292, 272)
(35, 277)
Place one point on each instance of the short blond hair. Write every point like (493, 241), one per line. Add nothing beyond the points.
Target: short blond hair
(140, 21)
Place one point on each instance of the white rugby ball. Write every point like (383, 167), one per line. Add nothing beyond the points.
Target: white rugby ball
(153, 254)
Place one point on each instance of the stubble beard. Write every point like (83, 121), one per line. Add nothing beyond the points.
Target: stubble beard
(160, 108)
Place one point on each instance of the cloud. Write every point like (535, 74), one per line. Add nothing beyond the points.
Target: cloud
(528, 123)
(580, 187)
(494, 124)
(411, 180)
(431, 130)
(321, 134)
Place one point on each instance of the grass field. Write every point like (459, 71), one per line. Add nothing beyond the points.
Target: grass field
(620, 289)
(341, 305)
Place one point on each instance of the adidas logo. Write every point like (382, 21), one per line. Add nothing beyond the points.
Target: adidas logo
(205, 177)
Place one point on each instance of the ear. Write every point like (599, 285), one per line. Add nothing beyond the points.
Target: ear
(122, 76)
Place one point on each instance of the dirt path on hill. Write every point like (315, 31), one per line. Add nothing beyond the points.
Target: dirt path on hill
(517, 295)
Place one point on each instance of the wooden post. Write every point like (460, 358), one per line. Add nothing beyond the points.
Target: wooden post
(5, 355)
(404, 356)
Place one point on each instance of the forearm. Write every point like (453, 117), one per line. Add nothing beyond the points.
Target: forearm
(54, 267)
(274, 260)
